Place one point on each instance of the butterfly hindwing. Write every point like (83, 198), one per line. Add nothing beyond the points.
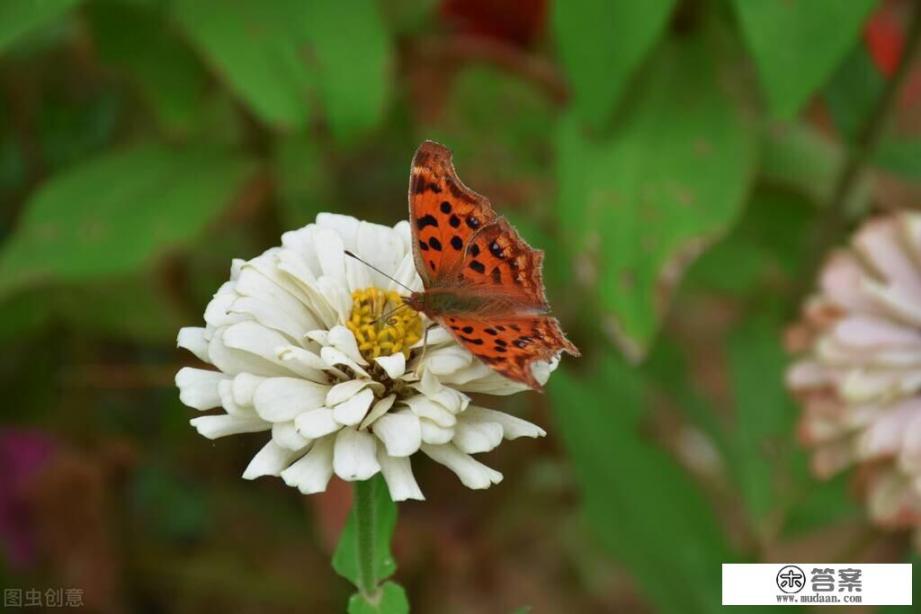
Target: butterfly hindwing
(498, 261)
(511, 345)
(444, 214)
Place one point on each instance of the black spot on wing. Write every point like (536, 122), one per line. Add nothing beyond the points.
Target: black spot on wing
(426, 220)
(435, 244)
(423, 246)
(477, 266)
(445, 207)
(496, 275)
(456, 243)
(471, 340)
(454, 221)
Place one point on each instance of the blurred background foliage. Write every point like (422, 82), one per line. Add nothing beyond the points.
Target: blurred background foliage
(684, 163)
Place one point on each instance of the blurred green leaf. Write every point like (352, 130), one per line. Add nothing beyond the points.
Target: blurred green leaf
(384, 520)
(901, 156)
(797, 44)
(113, 214)
(763, 252)
(600, 44)
(19, 17)
(353, 55)
(643, 507)
(853, 91)
(258, 48)
(304, 180)
(136, 39)
(819, 504)
(392, 600)
(798, 156)
(764, 412)
(496, 125)
(669, 180)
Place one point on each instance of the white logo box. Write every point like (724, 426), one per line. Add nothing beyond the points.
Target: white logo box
(816, 584)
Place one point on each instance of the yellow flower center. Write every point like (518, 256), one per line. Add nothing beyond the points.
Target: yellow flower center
(381, 323)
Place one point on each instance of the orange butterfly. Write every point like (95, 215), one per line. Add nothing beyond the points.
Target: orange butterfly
(482, 281)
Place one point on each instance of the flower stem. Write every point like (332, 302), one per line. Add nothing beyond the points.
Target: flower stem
(365, 529)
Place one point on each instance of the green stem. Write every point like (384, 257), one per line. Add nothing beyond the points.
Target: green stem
(364, 531)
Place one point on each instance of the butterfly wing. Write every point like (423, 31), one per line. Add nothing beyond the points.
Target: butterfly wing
(444, 214)
(511, 329)
(499, 263)
(512, 344)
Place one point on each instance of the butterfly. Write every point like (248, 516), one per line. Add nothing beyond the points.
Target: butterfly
(482, 281)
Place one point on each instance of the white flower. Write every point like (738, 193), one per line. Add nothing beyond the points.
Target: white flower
(859, 378)
(302, 354)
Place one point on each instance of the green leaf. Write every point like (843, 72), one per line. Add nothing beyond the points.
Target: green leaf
(136, 39)
(258, 49)
(601, 43)
(354, 61)
(304, 180)
(901, 156)
(114, 214)
(853, 92)
(346, 559)
(391, 600)
(643, 507)
(764, 416)
(797, 44)
(669, 180)
(20, 17)
(799, 157)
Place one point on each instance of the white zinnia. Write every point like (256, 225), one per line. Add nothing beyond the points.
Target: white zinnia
(282, 335)
(859, 377)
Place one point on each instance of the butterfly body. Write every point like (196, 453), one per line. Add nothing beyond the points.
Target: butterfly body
(482, 280)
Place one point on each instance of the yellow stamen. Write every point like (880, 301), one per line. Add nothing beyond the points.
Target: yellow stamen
(377, 337)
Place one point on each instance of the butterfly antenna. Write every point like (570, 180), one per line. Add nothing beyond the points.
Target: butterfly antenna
(374, 268)
(390, 313)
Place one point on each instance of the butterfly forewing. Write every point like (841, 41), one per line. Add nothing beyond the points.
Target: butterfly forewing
(444, 214)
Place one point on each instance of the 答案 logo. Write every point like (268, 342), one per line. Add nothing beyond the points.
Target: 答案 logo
(791, 579)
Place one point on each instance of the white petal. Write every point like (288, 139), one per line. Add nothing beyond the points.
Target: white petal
(406, 275)
(473, 437)
(426, 408)
(233, 361)
(272, 459)
(344, 391)
(394, 365)
(330, 252)
(217, 312)
(316, 423)
(312, 472)
(380, 408)
(398, 474)
(334, 358)
(472, 473)
(244, 387)
(434, 434)
(355, 455)
(445, 360)
(286, 435)
(259, 341)
(512, 427)
(198, 388)
(381, 247)
(230, 405)
(193, 339)
(222, 425)
(307, 364)
(400, 431)
(345, 226)
(352, 411)
(278, 399)
(343, 340)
